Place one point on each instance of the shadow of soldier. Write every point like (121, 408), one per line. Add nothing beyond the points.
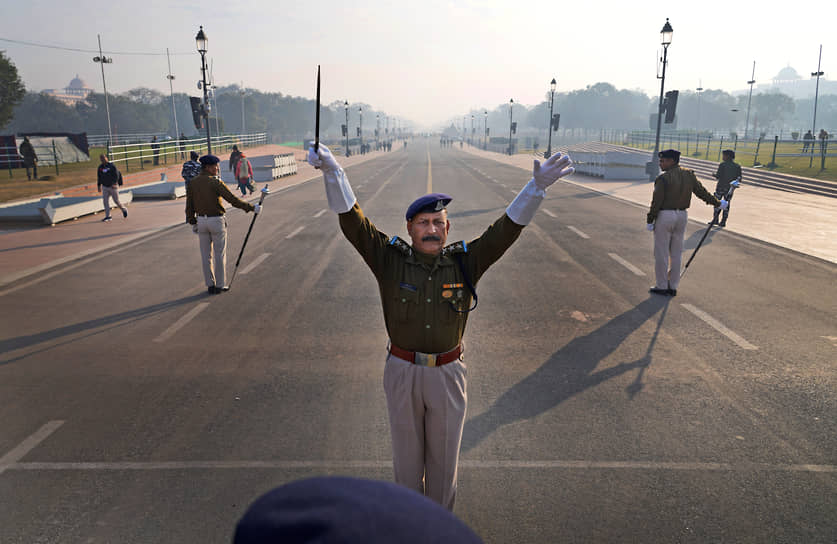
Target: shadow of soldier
(568, 372)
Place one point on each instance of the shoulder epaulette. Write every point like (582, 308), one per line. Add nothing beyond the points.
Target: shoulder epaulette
(400, 245)
(456, 247)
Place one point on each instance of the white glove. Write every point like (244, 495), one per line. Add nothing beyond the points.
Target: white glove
(258, 208)
(322, 159)
(724, 204)
(555, 167)
(649, 227)
(195, 228)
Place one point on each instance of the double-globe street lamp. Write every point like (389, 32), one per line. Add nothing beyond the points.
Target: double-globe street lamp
(665, 39)
(203, 44)
(552, 85)
(102, 60)
(749, 100)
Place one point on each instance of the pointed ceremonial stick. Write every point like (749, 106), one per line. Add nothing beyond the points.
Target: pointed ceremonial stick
(732, 187)
(265, 192)
(317, 122)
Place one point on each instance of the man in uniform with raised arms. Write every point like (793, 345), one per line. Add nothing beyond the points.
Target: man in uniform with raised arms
(426, 289)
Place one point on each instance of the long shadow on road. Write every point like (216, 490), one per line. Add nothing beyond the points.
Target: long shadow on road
(568, 372)
(96, 326)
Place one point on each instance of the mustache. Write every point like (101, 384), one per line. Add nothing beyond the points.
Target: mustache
(431, 237)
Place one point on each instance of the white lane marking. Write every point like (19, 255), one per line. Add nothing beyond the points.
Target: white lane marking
(513, 190)
(19, 451)
(720, 327)
(294, 233)
(466, 463)
(168, 333)
(575, 230)
(550, 214)
(319, 213)
(256, 262)
(626, 264)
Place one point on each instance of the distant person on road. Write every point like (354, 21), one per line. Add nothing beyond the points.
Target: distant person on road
(807, 140)
(823, 136)
(234, 156)
(182, 145)
(667, 218)
(426, 289)
(155, 149)
(728, 171)
(109, 178)
(244, 175)
(205, 212)
(30, 158)
(191, 168)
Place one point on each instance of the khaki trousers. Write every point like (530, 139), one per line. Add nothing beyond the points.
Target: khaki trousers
(426, 416)
(107, 194)
(669, 229)
(212, 232)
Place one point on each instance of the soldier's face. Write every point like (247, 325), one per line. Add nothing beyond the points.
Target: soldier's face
(429, 231)
(212, 169)
(666, 163)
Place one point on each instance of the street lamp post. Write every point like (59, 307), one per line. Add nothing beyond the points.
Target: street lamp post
(552, 85)
(511, 105)
(665, 39)
(699, 91)
(471, 140)
(346, 106)
(243, 125)
(102, 60)
(485, 132)
(360, 128)
(171, 91)
(818, 74)
(202, 44)
(377, 131)
(752, 80)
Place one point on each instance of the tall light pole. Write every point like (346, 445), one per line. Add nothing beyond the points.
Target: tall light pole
(243, 125)
(665, 39)
(360, 128)
(485, 132)
(203, 44)
(471, 140)
(552, 85)
(171, 90)
(346, 106)
(511, 105)
(818, 74)
(752, 80)
(102, 60)
(699, 90)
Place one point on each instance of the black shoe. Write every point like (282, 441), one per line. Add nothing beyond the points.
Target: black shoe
(672, 292)
(211, 290)
(658, 291)
(125, 213)
(722, 224)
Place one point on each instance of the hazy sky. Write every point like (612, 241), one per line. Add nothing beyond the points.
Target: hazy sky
(426, 61)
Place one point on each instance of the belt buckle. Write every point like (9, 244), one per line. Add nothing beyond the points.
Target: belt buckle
(425, 359)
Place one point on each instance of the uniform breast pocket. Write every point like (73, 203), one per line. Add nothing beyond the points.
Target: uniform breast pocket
(454, 302)
(405, 303)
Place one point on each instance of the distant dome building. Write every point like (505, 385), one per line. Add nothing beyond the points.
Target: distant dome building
(789, 82)
(76, 91)
(786, 75)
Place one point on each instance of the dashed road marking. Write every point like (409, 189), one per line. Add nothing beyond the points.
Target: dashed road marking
(720, 327)
(256, 262)
(626, 264)
(19, 451)
(294, 233)
(319, 213)
(575, 230)
(550, 214)
(180, 323)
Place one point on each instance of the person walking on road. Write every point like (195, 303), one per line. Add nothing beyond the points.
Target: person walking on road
(426, 290)
(234, 156)
(30, 158)
(109, 178)
(728, 171)
(205, 212)
(244, 175)
(191, 168)
(667, 218)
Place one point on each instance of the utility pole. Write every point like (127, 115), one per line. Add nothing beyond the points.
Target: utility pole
(752, 80)
(171, 90)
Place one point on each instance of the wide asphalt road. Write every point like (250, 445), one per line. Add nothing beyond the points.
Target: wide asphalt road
(135, 408)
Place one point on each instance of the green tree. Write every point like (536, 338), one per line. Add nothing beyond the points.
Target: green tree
(12, 90)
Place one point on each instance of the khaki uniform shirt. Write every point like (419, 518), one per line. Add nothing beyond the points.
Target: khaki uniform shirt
(203, 197)
(421, 293)
(673, 191)
(727, 171)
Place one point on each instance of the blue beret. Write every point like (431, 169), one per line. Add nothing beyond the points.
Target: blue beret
(341, 509)
(433, 202)
(209, 160)
(670, 154)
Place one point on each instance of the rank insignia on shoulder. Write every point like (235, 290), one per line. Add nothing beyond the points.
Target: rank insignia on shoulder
(456, 247)
(400, 245)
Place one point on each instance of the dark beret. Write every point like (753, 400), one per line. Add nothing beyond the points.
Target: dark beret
(209, 160)
(194, 155)
(670, 154)
(729, 152)
(341, 510)
(433, 202)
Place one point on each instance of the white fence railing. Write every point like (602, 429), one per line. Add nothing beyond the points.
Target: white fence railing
(136, 156)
